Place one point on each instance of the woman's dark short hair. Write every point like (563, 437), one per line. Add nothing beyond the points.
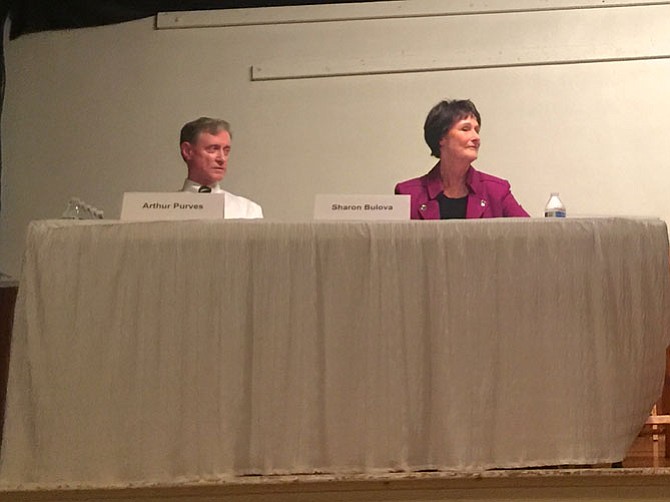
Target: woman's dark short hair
(442, 117)
(192, 130)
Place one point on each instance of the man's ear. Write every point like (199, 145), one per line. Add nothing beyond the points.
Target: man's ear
(186, 150)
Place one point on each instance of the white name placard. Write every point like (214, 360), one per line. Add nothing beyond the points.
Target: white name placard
(168, 206)
(361, 207)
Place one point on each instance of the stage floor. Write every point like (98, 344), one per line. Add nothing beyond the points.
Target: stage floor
(645, 475)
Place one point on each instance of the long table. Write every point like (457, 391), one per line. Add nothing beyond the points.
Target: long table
(187, 351)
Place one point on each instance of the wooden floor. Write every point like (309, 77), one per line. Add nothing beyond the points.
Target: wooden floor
(647, 452)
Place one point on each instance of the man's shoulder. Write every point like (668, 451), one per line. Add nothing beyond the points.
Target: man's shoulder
(239, 199)
(241, 207)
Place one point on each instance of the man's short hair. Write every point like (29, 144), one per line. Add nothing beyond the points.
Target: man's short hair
(192, 130)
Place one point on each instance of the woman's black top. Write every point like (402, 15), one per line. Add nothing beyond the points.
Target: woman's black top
(451, 209)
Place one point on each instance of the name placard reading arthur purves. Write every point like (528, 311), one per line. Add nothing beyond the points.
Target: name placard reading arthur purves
(361, 207)
(168, 206)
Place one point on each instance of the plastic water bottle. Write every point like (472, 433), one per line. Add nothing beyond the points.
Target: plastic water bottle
(77, 209)
(554, 207)
(73, 210)
(87, 210)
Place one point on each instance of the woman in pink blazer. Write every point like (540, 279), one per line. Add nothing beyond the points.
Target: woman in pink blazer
(453, 188)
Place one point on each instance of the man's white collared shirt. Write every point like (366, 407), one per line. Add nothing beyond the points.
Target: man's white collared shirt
(235, 206)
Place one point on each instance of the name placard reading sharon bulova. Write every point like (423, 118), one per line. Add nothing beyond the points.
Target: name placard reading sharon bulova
(361, 207)
(168, 206)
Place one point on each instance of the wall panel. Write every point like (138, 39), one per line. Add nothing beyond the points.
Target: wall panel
(573, 98)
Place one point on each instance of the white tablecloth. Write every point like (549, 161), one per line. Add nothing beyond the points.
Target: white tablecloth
(182, 351)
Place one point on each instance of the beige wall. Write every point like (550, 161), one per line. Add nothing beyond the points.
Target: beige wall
(573, 100)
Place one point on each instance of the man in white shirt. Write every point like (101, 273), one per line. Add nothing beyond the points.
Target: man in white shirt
(205, 147)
